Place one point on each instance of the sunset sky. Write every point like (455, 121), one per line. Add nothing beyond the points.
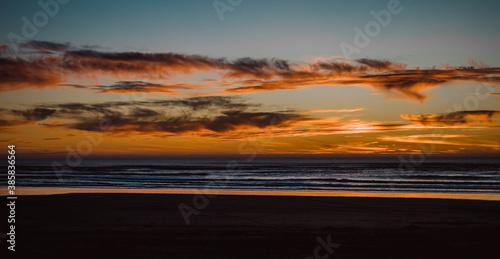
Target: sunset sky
(187, 77)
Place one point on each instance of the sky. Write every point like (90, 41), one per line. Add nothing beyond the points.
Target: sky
(246, 77)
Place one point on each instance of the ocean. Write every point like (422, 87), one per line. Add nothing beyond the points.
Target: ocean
(267, 174)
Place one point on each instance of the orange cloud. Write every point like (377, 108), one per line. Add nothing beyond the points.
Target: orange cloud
(57, 62)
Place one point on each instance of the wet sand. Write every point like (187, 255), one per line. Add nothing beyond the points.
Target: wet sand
(117, 225)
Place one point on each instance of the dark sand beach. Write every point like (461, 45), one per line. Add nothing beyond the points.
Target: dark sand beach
(151, 226)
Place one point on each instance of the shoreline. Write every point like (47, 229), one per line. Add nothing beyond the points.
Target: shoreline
(22, 191)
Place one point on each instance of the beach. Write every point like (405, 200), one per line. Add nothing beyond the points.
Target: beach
(120, 225)
(231, 129)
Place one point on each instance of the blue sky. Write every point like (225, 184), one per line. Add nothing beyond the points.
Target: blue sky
(425, 33)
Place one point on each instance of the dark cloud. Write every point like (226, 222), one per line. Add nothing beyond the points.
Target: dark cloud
(261, 68)
(454, 118)
(16, 73)
(374, 63)
(136, 87)
(90, 60)
(12, 117)
(229, 121)
(142, 112)
(129, 85)
(212, 113)
(45, 46)
(36, 114)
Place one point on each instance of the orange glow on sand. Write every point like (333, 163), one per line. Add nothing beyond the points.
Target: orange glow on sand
(58, 190)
